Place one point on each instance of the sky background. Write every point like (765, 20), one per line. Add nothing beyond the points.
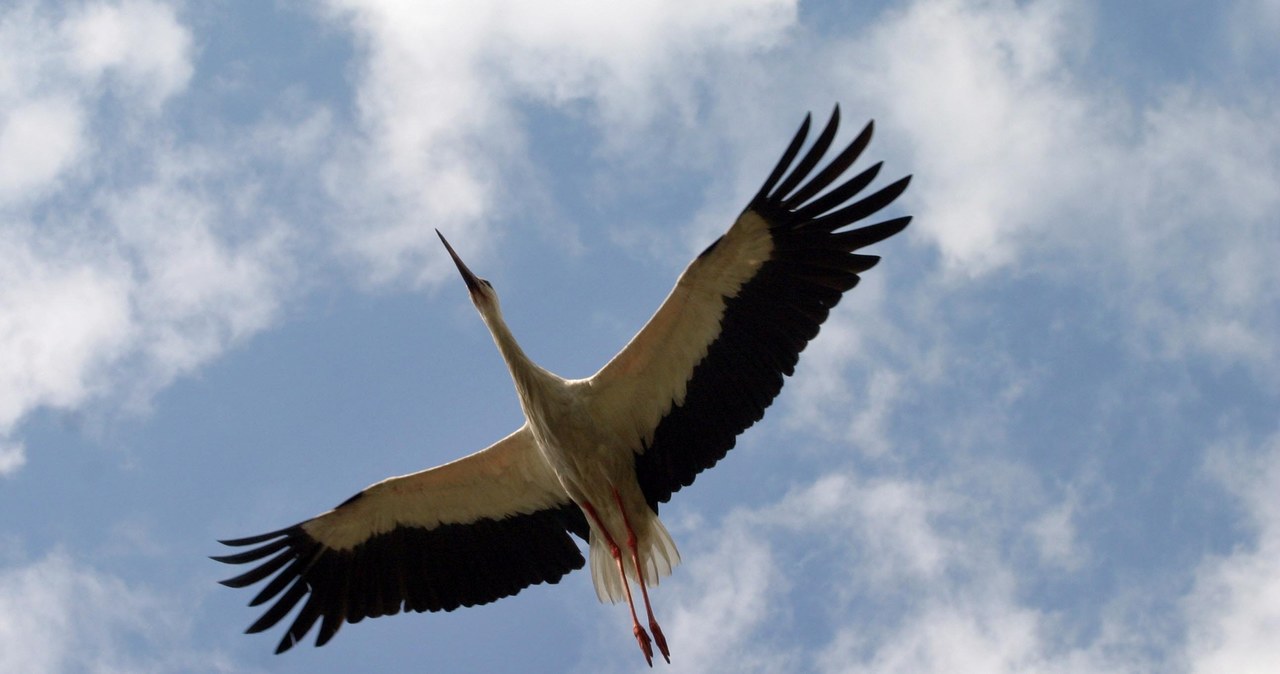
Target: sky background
(1041, 436)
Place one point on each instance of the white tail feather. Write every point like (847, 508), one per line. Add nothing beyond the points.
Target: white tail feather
(658, 556)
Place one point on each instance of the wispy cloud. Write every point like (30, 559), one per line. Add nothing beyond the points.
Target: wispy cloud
(1235, 604)
(985, 93)
(1027, 164)
(126, 259)
(919, 581)
(57, 615)
(137, 45)
(441, 87)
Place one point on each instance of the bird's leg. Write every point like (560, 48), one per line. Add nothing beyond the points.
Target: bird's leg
(644, 592)
(642, 637)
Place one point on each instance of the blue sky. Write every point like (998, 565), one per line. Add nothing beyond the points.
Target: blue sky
(1040, 437)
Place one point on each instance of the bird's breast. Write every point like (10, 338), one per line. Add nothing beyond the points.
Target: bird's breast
(584, 455)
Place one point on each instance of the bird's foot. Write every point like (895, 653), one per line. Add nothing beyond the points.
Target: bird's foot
(642, 638)
(661, 640)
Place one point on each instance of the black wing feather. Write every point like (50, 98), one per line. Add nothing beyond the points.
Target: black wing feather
(406, 568)
(777, 312)
(812, 157)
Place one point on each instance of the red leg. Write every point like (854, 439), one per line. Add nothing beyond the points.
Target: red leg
(642, 637)
(644, 591)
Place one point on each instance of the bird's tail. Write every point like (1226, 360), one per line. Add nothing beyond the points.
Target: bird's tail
(658, 556)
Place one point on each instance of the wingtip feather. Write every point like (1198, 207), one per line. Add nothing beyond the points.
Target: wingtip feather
(260, 538)
(784, 162)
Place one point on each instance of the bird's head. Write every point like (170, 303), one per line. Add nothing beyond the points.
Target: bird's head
(482, 292)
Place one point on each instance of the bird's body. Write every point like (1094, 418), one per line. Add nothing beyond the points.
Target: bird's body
(563, 419)
(595, 456)
(580, 454)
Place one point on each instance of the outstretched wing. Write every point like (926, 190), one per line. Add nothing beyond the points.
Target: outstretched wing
(471, 531)
(712, 358)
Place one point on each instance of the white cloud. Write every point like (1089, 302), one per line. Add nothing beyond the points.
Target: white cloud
(1055, 535)
(926, 576)
(986, 95)
(862, 368)
(440, 85)
(138, 42)
(982, 630)
(57, 615)
(1234, 608)
(869, 427)
(61, 320)
(892, 518)
(128, 257)
(13, 455)
(1251, 26)
(39, 140)
(892, 575)
(815, 393)
(199, 284)
(737, 583)
(634, 60)
(1205, 187)
(1161, 209)
(1022, 162)
(53, 67)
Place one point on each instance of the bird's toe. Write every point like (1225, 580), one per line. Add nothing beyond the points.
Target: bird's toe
(642, 638)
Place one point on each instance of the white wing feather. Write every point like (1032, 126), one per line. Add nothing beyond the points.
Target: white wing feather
(507, 478)
(639, 385)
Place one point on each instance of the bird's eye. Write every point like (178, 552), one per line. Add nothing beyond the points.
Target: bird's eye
(487, 284)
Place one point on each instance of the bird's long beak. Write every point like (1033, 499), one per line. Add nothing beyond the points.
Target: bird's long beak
(473, 281)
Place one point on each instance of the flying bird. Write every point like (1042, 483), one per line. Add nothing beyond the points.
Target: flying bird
(595, 457)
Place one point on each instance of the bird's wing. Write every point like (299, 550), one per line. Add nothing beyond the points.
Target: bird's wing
(471, 531)
(712, 358)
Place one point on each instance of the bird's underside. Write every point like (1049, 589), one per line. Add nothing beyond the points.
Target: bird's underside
(670, 404)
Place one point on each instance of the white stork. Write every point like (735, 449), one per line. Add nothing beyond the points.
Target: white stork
(595, 456)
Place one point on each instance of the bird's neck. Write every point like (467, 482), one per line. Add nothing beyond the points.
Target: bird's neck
(527, 375)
